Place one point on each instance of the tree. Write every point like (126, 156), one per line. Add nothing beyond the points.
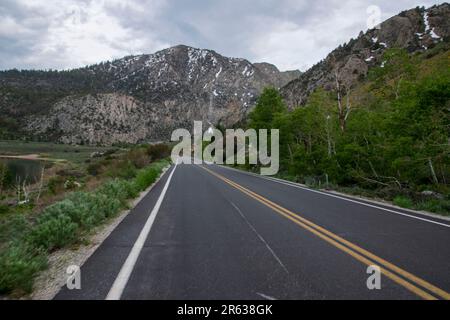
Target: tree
(268, 105)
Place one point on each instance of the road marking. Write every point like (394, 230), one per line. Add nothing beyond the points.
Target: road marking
(358, 253)
(262, 295)
(122, 279)
(261, 238)
(296, 185)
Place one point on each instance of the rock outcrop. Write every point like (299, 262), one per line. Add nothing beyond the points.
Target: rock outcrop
(137, 98)
(415, 30)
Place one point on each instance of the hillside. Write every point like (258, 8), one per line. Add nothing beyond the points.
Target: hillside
(415, 30)
(134, 99)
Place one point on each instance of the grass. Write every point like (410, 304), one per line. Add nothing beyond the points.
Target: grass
(63, 224)
(403, 202)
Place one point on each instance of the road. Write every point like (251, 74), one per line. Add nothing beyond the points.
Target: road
(210, 232)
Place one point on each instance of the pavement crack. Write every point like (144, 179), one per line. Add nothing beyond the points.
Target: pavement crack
(260, 237)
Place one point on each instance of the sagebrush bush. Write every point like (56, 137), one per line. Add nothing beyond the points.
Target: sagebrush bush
(145, 178)
(62, 223)
(53, 233)
(14, 228)
(119, 189)
(85, 209)
(122, 169)
(18, 266)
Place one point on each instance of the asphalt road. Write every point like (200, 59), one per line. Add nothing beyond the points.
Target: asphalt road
(209, 232)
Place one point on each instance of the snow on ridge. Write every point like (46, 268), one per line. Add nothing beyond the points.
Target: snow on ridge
(434, 35)
(247, 71)
(218, 73)
(428, 29)
(425, 20)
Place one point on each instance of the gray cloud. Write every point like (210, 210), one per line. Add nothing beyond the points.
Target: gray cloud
(292, 34)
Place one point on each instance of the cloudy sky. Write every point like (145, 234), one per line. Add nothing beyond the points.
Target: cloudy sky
(292, 34)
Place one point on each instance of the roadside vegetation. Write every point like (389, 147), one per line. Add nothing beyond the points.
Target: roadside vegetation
(386, 138)
(66, 206)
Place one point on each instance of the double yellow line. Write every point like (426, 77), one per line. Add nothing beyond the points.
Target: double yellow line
(396, 274)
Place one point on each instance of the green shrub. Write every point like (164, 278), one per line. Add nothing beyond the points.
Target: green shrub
(4, 209)
(122, 169)
(53, 233)
(82, 208)
(145, 178)
(55, 184)
(441, 206)
(403, 202)
(14, 228)
(119, 189)
(94, 169)
(61, 224)
(19, 265)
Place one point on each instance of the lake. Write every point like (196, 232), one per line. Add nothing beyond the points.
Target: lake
(25, 169)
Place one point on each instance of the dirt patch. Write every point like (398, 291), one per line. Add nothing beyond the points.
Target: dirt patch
(31, 157)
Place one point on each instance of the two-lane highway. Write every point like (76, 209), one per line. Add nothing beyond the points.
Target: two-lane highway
(210, 232)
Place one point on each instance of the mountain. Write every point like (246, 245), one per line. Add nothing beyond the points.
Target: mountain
(144, 97)
(136, 98)
(415, 30)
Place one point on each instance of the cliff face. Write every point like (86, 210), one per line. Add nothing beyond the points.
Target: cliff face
(138, 98)
(414, 30)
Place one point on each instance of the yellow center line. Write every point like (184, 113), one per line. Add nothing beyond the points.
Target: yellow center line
(361, 254)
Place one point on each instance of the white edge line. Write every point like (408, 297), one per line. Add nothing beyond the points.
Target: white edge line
(122, 278)
(295, 185)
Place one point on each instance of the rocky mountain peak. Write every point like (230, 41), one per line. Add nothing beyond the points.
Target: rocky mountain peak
(169, 89)
(415, 30)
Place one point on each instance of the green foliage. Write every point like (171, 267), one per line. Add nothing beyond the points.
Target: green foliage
(55, 184)
(14, 228)
(6, 177)
(94, 169)
(268, 105)
(63, 224)
(395, 140)
(441, 206)
(18, 267)
(53, 233)
(122, 169)
(4, 209)
(403, 202)
(145, 178)
(119, 189)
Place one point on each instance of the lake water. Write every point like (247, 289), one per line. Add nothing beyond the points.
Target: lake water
(25, 169)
